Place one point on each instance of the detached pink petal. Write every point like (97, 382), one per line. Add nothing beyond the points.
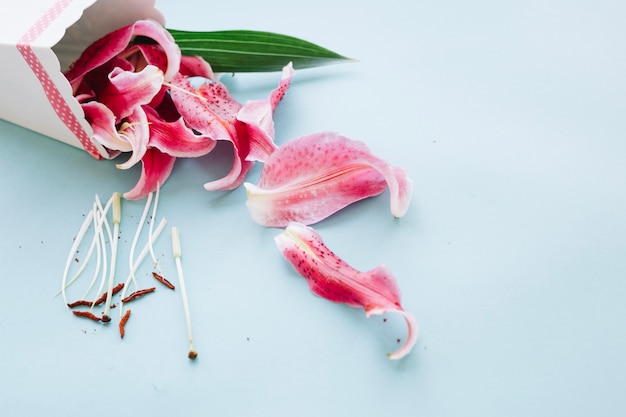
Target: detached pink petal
(332, 278)
(310, 178)
(156, 168)
(109, 46)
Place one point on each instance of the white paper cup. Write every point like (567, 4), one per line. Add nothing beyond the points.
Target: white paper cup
(40, 39)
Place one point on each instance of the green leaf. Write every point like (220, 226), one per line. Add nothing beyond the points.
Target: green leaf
(253, 51)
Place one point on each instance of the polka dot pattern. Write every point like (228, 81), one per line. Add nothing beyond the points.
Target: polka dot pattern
(58, 103)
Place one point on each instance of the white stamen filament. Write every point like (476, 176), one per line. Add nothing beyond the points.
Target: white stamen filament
(140, 259)
(131, 259)
(97, 221)
(182, 90)
(103, 246)
(154, 210)
(85, 260)
(117, 217)
(79, 237)
(177, 252)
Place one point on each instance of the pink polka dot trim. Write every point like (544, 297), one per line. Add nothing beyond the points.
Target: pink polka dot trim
(58, 103)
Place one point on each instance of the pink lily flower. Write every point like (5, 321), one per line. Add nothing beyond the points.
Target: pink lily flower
(212, 111)
(117, 44)
(123, 89)
(310, 178)
(330, 277)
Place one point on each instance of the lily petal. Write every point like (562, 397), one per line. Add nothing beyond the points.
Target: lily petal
(330, 277)
(212, 111)
(256, 115)
(310, 178)
(136, 132)
(196, 66)
(127, 90)
(156, 168)
(175, 138)
(114, 43)
(209, 110)
(102, 121)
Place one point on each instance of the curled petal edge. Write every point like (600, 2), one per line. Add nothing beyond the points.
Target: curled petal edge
(412, 331)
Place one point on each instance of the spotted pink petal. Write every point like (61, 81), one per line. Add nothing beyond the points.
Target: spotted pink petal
(175, 138)
(209, 110)
(156, 168)
(127, 90)
(212, 111)
(113, 44)
(330, 277)
(310, 178)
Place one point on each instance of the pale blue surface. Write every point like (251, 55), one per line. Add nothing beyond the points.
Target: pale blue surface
(509, 116)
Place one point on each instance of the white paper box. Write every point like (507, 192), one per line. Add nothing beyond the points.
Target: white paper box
(39, 39)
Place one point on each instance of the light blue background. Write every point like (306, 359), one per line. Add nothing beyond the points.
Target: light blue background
(509, 117)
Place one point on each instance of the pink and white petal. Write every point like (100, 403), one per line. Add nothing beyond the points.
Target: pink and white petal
(156, 169)
(309, 205)
(257, 116)
(117, 41)
(175, 138)
(153, 30)
(234, 178)
(211, 110)
(330, 277)
(196, 66)
(219, 101)
(205, 110)
(136, 132)
(309, 178)
(127, 90)
(279, 92)
(258, 141)
(102, 121)
(98, 53)
(140, 55)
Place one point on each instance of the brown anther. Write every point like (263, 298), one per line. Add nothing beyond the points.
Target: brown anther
(163, 281)
(123, 323)
(86, 314)
(138, 294)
